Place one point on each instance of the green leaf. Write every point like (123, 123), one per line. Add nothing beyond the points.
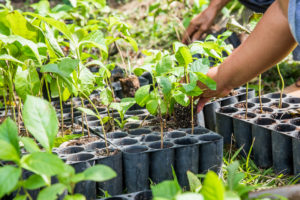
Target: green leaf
(75, 197)
(64, 68)
(20, 26)
(87, 111)
(43, 163)
(190, 196)
(152, 106)
(165, 65)
(34, 182)
(200, 65)
(183, 56)
(230, 195)
(194, 182)
(8, 152)
(24, 46)
(209, 82)
(41, 120)
(95, 38)
(132, 42)
(234, 177)
(9, 134)
(52, 42)
(86, 81)
(55, 23)
(42, 7)
(99, 173)
(181, 98)
(166, 85)
(67, 66)
(106, 96)
(29, 144)
(195, 92)
(212, 188)
(20, 197)
(165, 190)
(10, 58)
(27, 82)
(9, 177)
(142, 95)
(52, 192)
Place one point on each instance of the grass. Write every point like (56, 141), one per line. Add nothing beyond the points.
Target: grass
(254, 176)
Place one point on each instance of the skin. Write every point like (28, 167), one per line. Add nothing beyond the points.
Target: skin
(202, 22)
(270, 42)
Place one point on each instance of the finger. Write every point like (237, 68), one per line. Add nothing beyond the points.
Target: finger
(189, 33)
(201, 104)
(197, 35)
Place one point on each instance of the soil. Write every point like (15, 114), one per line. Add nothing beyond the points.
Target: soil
(241, 116)
(183, 116)
(102, 152)
(79, 141)
(130, 85)
(169, 125)
(258, 111)
(240, 105)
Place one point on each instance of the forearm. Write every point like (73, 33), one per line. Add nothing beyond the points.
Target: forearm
(218, 4)
(269, 43)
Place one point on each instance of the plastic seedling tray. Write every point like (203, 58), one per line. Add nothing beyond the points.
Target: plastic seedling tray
(274, 133)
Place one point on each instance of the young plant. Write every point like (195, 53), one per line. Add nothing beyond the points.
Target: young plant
(259, 94)
(282, 86)
(122, 108)
(40, 119)
(212, 187)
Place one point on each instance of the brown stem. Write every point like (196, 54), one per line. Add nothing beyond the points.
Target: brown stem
(72, 114)
(161, 130)
(192, 109)
(85, 119)
(61, 108)
(247, 90)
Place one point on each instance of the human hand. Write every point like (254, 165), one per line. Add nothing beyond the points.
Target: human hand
(207, 94)
(199, 25)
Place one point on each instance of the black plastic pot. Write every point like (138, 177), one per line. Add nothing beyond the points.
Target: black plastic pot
(114, 186)
(136, 168)
(81, 162)
(143, 81)
(243, 133)
(161, 161)
(209, 111)
(282, 149)
(186, 159)
(210, 153)
(225, 123)
(262, 147)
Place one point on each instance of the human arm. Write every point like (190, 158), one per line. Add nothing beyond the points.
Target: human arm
(203, 21)
(270, 42)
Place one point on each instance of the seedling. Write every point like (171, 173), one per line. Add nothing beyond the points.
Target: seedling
(122, 108)
(282, 86)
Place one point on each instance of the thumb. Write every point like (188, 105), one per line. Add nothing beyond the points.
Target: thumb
(201, 103)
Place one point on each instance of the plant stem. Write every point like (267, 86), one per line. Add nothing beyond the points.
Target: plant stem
(61, 108)
(161, 129)
(85, 119)
(72, 113)
(4, 97)
(282, 86)
(192, 109)
(259, 94)
(48, 92)
(101, 122)
(122, 58)
(247, 93)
